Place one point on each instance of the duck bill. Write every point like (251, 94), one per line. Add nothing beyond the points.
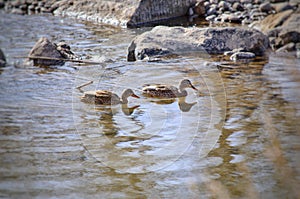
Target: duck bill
(193, 87)
(135, 96)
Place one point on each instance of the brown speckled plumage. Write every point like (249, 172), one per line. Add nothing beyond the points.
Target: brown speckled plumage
(105, 97)
(167, 91)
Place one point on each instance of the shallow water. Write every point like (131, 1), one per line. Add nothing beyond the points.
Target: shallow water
(237, 137)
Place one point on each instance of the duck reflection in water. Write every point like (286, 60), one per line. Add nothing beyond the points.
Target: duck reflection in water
(182, 104)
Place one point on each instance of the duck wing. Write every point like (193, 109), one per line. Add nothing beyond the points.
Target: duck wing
(160, 90)
(101, 97)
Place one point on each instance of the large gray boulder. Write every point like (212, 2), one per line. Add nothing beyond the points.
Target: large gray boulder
(162, 40)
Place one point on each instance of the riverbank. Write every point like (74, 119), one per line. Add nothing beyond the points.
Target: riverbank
(278, 19)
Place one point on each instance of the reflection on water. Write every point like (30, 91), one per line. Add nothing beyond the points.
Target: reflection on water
(236, 138)
(159, 131)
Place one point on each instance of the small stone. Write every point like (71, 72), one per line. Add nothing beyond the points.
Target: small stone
(242, 55)
(211, 11)
(206, 5)
(230, 18)
(210, 18)
(237, 7)
(224, 5)
(213, 1)
(246, 1)
(248, 6)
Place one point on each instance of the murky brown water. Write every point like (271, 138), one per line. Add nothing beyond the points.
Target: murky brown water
(237, 138)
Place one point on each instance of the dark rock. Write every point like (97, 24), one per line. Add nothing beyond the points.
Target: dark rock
(266, 7)
(45, 48)
(2, 4)
(2, 59)
(242, 55)
(161, 41)
(289, 36)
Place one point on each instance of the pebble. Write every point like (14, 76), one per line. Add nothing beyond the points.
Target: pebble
(237, 7)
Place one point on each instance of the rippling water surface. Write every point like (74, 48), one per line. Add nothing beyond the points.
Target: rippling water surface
(237, 137)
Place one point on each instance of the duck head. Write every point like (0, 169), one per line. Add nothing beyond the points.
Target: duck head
(128, 93)
(186, 84)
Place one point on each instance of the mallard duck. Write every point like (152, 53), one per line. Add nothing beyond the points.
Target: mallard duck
(105, 97)
(167, 91)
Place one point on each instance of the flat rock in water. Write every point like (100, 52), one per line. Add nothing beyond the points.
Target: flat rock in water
(162, 40)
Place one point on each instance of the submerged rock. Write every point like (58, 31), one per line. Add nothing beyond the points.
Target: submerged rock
(162, 40)
(2, 59)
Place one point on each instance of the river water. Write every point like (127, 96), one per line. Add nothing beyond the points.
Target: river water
(237, 137)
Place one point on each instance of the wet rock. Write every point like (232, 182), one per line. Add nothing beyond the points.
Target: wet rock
(47, 53)
(163, 40)
(242, 55)
(2, 59)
